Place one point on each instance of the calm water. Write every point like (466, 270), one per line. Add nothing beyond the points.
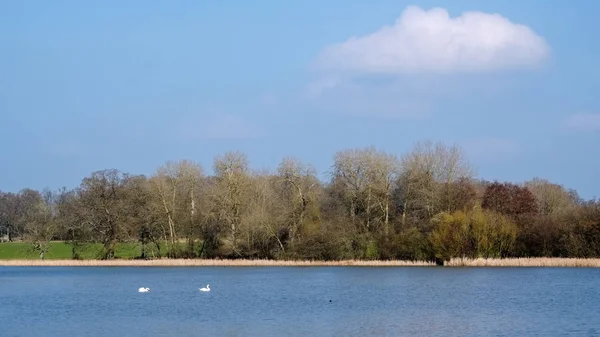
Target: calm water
(295, 301)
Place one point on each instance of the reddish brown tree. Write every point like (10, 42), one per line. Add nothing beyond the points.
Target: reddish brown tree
(509, 199)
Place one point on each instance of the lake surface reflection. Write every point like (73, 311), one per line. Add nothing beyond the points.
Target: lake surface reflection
(299, 301)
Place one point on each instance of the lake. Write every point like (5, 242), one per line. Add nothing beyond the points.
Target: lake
(299, 301)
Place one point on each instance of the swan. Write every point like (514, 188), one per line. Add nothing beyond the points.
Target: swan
(143, 290)
(206, 289)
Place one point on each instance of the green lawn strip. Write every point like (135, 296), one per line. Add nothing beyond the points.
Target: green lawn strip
(63, 251)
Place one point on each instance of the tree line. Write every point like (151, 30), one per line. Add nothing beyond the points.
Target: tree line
(426, 204)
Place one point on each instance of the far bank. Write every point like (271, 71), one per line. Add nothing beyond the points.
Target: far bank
(211, 262)
(453, 263)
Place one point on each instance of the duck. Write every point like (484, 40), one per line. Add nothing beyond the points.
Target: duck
(143, 290)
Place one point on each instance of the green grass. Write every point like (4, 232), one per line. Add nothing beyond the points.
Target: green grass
(62, 251)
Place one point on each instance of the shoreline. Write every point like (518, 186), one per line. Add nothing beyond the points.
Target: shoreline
(556, 262)
(211, 263)
(452, 263)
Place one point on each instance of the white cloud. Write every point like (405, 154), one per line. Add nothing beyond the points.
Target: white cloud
(431, 41)
(584, 122)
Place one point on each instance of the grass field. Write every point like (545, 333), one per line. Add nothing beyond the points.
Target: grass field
(62, 251)
(212, 262)
(22, 254)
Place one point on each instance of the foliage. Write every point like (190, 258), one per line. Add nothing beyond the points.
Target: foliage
(509, 199)
(423, 205)
(474, 233)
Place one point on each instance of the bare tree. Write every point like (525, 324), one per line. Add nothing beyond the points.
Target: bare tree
(350, 172)
(382, 174)
(140, 219)
(176, 189)
(428, 175)
(14, 211)
(9, 213)
(367, 177)
(298, 184)
(551, 198)
(233, 181)
(39, 223)
(72, 220)
(102, 199)
(261, 221)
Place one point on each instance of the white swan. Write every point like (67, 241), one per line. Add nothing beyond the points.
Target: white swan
(143, 290)
(206, 289)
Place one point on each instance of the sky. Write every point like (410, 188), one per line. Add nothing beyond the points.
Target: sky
(92, 85)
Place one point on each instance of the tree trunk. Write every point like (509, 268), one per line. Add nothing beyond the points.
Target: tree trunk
(404, 213)
(352, 213)
(191, 240)
(369, 210)
(109, 249)
(171, 230)
(233, 236)
(387, 217)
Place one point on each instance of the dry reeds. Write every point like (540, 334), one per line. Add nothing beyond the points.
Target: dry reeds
(524, 262)
(211, 262)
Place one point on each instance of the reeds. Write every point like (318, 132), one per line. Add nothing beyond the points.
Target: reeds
(212, 262)
(524, 262)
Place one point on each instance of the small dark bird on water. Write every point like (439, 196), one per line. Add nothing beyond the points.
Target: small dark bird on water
(329, 300)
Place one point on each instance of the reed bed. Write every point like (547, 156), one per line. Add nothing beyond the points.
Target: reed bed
(524, 262)
(211, 262)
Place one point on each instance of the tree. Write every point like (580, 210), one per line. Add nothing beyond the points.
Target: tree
(551, 198)
(297, 188)
(262, 228)
(140, 218)
(231, 194)
(581, 230)
(14, 210)
(382, 175)
(366, 178)
(425, 204)
(176, 186)
(472, 233)
(8, 205)
(39, 223)
(430, 173)
(349, 175)
(509, 199)
(462, 195)
(102, 200)
(71, 220)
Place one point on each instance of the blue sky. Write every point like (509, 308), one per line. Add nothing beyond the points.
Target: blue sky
(89, 85)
